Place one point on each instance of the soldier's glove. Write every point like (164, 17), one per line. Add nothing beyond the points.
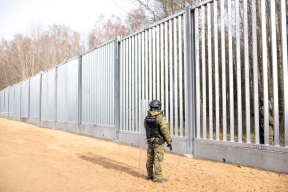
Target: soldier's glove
(170, 146)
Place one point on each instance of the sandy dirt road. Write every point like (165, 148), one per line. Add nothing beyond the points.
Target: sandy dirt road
(40, 159)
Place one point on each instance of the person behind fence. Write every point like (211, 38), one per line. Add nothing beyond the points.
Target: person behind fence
(157, 133)
(261, 122)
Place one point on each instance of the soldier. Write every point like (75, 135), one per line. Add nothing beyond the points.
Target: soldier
(261, 122)
(157, 133)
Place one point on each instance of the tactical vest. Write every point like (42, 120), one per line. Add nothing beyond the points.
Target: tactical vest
(152, 129)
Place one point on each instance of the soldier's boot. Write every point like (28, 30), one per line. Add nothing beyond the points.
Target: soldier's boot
(161, 180)
(150, 178)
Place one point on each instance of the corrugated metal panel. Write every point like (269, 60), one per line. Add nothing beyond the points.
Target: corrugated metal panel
(11, 101)
(35, 95)
(98, 85)
(48, 95)
(67, 92)
(17, 98)
(25, 98)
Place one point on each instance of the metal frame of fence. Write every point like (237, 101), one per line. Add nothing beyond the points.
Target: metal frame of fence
(101, 91)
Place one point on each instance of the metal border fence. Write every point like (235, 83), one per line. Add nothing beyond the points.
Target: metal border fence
(192, 62)
(151, 67)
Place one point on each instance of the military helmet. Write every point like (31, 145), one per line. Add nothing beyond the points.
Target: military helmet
(155, 104)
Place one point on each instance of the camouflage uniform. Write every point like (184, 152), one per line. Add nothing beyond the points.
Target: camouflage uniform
(155, 152)
(271, 125)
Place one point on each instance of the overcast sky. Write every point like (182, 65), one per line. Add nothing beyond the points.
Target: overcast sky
(16, 16)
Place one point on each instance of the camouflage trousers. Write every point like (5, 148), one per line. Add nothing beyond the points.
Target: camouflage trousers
(155, 156)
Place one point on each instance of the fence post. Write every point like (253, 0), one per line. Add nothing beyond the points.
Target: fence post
(79, 92)
(40, 97)
(55, 98)
(117, 87)
(20, 99)
(8, 100)
(189, 128)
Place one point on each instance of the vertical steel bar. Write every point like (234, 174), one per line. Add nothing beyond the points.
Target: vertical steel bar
(132, 108)
(175, 76)
(109, 86)
(95, 86)
(126, 106)
(143, 70)
(158, 64)
(136, 76)
(100, 64)
(285, 67)
(162, 67)
(107, 83)
(185, 38)
(238, 58)
(255, 72)
(130, 86)
(79, 92)
(216, 68)
(171, 76)
(274, 75)
(197, 67)
(146, 64)
(210, 71)
(89, 87)
(224, 109)
(121, 85)
(116, 79)
(166, 73)
(139, 80)
(115, 90)
(203, 71)
(231, 84)
(191, 84)
(180, 76)
(154, 63)
(264, 65)
(150, 66)
(103, 86)
(247, 91)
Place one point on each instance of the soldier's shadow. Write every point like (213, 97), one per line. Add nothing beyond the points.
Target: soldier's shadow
(110, 164)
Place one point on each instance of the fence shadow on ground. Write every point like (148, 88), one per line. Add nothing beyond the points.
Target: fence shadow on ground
(110, 164)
